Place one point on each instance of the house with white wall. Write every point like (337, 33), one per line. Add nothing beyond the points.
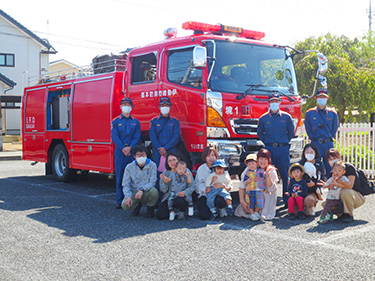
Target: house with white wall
(22, 53)
(63, 68)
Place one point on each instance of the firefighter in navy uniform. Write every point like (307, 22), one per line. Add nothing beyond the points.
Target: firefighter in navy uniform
(276, 129)
(164, 133)
(125, 133)
(321, 125)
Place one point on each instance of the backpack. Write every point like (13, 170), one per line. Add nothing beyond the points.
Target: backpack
(367, 186)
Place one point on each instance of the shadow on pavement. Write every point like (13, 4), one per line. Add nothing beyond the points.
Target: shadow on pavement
(81, 208)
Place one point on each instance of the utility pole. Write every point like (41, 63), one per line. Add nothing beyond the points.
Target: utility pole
(370, 12)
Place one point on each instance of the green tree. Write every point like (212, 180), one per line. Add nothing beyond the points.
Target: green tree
(350, 76)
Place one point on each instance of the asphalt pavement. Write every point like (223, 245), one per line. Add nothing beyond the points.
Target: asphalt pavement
(71, 231)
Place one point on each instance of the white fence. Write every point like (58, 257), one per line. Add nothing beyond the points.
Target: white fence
(356, 144)
(355, 141)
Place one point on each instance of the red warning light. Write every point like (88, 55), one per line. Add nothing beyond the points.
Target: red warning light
(240, 32)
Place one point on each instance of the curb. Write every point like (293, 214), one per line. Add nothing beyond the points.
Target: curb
(7, 156)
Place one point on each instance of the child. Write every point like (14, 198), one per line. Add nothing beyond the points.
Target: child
(179, 182)
(254, 180)
(333, 196)
(297, 190)
(315, 176)
(221, 180)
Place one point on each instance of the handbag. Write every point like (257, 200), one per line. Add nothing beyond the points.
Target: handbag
(161, 167)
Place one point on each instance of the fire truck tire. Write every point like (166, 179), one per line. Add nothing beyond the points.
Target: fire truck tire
(60, 164)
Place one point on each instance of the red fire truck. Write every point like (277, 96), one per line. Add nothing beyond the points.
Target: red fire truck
(218, 79)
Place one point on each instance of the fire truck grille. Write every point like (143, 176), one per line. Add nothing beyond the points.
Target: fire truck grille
(244, 126)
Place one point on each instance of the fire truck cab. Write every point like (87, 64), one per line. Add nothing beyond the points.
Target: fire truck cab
(218, 79)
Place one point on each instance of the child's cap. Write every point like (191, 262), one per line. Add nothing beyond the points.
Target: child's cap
(219, 163)
(251, 156)
(310, 169)
(296, 166)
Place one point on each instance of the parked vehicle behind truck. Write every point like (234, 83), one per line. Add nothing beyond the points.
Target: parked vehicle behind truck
(218, 79)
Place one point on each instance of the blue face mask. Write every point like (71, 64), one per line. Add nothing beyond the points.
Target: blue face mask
(275, 106)
(321, 101)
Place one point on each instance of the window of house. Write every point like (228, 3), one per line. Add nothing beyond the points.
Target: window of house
(144, 69)
(6, 60)
(181, 71)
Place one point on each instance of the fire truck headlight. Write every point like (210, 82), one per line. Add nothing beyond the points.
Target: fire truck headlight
(228, 149)
(296, 144)
(217, 132)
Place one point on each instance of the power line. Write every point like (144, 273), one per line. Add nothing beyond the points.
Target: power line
(78, 39)
(71, 44)
(85, 46)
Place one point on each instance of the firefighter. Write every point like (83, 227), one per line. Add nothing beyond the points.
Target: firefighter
(164, 134)
(321, 125)
(139, 183)
(125, 133)
(276, 129)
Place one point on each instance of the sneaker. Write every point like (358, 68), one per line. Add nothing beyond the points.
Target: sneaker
(301, 215)
(258, 215)
(223, 212)
(323, 220)
(137, 210)
(181, 216)
(213, 216)
(254, 217)
(330, 216)
(230, 212)
(346, 218)
(150, 212)
(172, 215)
(118, 206)
(313, 211)
(190, 211)
(291, 216)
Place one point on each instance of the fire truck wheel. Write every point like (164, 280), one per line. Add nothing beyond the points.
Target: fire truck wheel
(60, 164)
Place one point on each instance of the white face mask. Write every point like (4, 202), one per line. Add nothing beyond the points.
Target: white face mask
(164, 110)
(332, 162)
(141, 160)
(309, 156)
(274, 106)
(126, 109)
(321, 101)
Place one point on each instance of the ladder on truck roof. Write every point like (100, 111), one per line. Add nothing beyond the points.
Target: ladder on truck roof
(98, 66)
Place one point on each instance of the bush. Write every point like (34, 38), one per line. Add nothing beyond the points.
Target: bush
(357, 154)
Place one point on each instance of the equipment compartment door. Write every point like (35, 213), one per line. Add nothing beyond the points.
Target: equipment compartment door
(34, 125)
(91, 123)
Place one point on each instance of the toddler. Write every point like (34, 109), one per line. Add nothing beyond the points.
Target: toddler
(333, 196)
(179, 182)
(218, 183)
(254, 180)
(297, 190)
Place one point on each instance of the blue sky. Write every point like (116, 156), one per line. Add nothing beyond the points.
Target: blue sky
(81, 29)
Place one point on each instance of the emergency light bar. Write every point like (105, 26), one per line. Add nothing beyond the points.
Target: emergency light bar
(240, 32)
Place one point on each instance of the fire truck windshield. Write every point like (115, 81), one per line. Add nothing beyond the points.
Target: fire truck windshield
(239, 66)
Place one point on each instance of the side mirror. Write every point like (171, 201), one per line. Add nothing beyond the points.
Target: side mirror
(199, 56)
(323, 63)
(323, 81)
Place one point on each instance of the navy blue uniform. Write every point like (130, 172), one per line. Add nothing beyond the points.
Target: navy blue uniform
(276, 130)
(164, 132)
(321, 127)
(125, 132)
